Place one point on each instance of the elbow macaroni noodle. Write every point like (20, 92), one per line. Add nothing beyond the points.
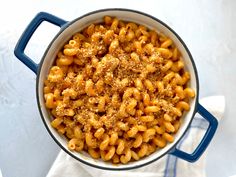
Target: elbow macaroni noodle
(118, 90)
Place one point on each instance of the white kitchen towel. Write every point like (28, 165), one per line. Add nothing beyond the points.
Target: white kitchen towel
(167, 166)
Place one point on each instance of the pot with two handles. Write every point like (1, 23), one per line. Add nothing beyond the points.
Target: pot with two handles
(67, 29)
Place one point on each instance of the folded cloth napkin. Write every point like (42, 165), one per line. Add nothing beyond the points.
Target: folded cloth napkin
(167, 166)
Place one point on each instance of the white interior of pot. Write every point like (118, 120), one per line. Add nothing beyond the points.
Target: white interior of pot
(95, 18)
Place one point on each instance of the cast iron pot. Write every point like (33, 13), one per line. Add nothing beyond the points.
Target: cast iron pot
(67, 29)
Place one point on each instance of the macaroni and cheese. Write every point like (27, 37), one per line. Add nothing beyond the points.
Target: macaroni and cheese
(118, 91)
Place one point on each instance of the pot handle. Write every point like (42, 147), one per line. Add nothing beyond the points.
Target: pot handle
(27, 34)
(213, 123)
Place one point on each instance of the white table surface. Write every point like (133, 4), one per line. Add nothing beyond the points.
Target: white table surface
(207, 27)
